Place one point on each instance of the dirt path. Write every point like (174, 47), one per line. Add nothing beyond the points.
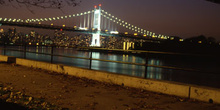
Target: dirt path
(84, 94)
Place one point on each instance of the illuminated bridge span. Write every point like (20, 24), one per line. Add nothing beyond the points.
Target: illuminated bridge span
(98, 22)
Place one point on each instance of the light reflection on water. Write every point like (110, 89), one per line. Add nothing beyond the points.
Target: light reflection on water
(126, 69)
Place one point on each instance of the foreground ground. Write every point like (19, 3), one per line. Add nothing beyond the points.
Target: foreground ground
(84, 94)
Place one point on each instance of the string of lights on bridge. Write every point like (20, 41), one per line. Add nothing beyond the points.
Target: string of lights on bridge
(130, 26)
(58, 18)
(105, 14)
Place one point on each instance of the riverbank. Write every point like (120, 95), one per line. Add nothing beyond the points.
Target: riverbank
(84, 94)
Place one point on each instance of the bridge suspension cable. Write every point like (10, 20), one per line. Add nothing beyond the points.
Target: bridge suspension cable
(130, 26)
(58, 17)
(124, 23)
(109, 22)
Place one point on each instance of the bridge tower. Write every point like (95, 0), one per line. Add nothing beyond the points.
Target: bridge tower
(96, 26)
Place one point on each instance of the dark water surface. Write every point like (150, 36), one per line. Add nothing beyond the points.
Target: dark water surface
(210, 75)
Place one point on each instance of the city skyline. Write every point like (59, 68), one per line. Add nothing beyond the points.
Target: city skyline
(174, 18)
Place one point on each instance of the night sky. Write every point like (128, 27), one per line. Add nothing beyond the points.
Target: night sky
(183, 18)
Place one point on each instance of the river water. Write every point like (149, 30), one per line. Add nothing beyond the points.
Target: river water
(210, 77)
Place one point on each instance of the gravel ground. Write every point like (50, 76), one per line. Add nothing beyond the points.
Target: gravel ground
(68, 92)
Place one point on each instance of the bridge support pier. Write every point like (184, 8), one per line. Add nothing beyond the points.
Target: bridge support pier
(96, 40)
(96, 25)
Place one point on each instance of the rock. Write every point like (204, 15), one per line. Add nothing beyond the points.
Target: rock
(5, 89)
(8, 100)
(8, 95)
(11, 95)
(5, 96)
(18, 92)
(30, 98)
(26, 103)
(44, 104)
(181, 100)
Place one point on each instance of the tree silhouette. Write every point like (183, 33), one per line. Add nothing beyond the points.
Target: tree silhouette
(52, 4)
(211, 40)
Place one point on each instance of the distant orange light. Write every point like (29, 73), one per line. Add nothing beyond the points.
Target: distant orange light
(61, 29)
(135, 34)
(95, 6)
(100, 4)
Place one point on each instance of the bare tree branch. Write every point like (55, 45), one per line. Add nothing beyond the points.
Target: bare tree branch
(45, 4)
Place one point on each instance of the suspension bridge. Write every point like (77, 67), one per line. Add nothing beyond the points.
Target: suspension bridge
(97, 22)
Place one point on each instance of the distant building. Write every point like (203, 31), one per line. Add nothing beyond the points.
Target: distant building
(48, 41)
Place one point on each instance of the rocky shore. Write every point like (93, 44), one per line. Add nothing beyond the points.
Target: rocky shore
(30, 88)
(17, 100)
